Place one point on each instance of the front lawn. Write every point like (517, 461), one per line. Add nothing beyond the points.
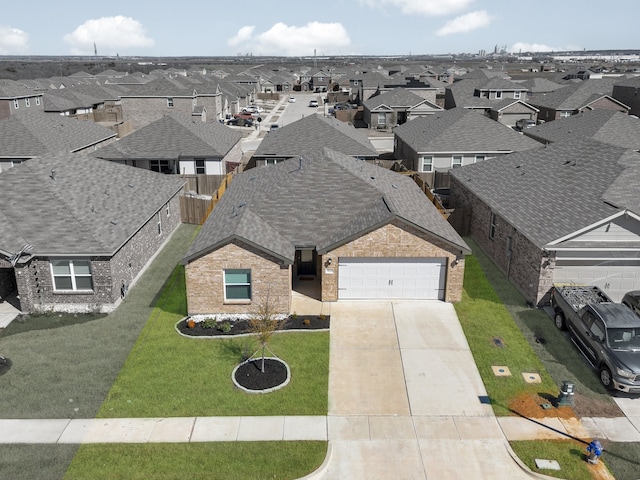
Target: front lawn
(167, 375)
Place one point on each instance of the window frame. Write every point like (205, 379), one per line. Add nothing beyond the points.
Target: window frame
(382, 116)
(226, 284)
(493, 226)
(16, 104)
(422, 163)
(517, 94)
(479, 158)
(202, 167)
(454, 163)
(498, 95)
(37, 100)
(169, 102)
(159, 218)
(72, 275)
(27, 102)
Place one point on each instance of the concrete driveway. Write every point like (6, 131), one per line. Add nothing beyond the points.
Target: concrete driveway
(406, 400)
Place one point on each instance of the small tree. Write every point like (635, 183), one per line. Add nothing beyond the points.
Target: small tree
(264, 321)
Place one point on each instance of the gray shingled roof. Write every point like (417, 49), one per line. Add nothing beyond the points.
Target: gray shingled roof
(171, 137)
(398, 97)
(575, 95)
(551, 192)
(88, 206)
(312, 133)
(461, 130)
(609, 126)
(35, 133)
(321, 200)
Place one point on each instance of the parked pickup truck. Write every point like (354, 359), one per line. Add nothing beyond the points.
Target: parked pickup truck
(607, 333)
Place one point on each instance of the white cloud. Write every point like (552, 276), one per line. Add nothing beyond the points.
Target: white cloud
(13, 40)
(243, 36)
(465, 23)
(422, 7)
(110, 34)
(535, 47)
(285, 40)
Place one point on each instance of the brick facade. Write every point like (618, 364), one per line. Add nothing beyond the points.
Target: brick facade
(205, 280)
(398, 240)
(35, 281)
(526, 266)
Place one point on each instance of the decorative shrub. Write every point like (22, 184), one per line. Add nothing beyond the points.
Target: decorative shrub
(322, 317)
(224, 327)
(306, 321)
(209, 323)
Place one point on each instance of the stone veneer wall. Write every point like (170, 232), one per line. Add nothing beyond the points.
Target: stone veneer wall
(205, 280)
(527, 268)
(395, 240)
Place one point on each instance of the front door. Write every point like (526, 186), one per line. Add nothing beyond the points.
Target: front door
(306, 261)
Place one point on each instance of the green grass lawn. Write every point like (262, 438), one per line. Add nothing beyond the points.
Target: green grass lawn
(568, 453)
(210, 461)
(495, 340)
(168, 375)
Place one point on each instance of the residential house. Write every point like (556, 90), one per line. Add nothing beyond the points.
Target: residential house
(451, 139)
(351, 229)
(567, 213)
(575, 98)
(308, 135)
(16, 98)
(626, 91)
(178, 144)
(35, 133)
(398, 106)
(78, 231)
(608, 126)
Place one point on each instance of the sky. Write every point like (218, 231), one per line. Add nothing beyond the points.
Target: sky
(331, 27)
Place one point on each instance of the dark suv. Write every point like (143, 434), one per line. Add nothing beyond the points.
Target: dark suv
(632, 300)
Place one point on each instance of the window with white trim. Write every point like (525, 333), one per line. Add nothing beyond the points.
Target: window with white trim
(382, 119)
(480, 158)
(71, 275)
(499, 94)
(565, 114)
(168, 209)
(159, 217)
(493, 226)
(16, 104)
(456, 161)
(273, 161)
(237, 284)
(27, 102)
(37, 100)
(517, 94)
(426, 163)
(169, 102)
(200, 166)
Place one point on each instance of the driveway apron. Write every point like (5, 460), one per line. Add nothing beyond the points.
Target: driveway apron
(406, 400)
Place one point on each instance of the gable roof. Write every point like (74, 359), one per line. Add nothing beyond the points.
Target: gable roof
(73, 204)
(320, 200)
(549, 193)
(608, 126)
(575, 95)
(398, 97)
(171, 137)
(461, 130)
(312, 133)
(36, 133)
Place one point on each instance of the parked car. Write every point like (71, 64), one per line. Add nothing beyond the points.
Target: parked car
(292, 99)
(313, 103)
(606, 333)
(632, 300)
(248, 116)
(525, 123)
(243, 122)
(274, 126)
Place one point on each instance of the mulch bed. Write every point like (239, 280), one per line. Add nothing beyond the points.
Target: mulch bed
(300, 322)
(529, 405)
(250, 375)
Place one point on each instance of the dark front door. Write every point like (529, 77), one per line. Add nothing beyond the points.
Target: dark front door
(306, 260)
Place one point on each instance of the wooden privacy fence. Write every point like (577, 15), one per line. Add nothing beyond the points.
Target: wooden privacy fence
(195, 209)
(424, 186)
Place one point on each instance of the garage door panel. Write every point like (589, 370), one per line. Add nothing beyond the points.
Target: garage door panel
(391, 278)
(615, 280)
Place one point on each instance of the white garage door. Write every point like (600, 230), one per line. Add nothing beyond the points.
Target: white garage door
(615, 280)
(388, 278)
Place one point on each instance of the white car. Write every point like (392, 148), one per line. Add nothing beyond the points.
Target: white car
(292, 99)
(313, 103)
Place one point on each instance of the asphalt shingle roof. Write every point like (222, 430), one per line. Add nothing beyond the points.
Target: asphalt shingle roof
(461, 130)
(398, 97)
(551, 192)
(171, 137)
(575, 95)
(76, 204)
(37, 133)
(609, 126)
(321, 200)
(312, 133)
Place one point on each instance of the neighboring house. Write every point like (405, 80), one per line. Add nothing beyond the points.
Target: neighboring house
(398, 106)
(16, 98)
(86, 228)
(352, 229)
(310, 134)
(607, 126)
(178, 144)
(452, 138)
(575, 98)
(627, 92)
(564, 213)
(36, 133)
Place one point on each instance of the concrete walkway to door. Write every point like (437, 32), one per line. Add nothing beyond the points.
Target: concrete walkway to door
(406, 399)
